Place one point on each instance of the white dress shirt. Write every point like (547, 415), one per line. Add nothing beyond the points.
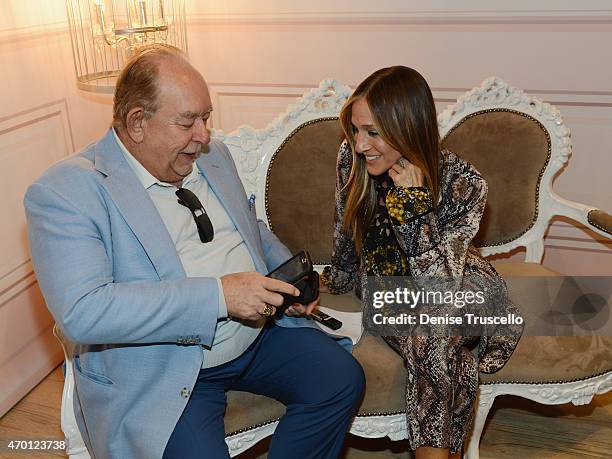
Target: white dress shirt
(227, 253)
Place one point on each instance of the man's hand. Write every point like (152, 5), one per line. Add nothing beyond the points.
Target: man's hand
(302, 309)
(246, 294)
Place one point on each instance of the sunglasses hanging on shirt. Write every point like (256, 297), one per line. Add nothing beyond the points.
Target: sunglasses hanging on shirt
(188, 199)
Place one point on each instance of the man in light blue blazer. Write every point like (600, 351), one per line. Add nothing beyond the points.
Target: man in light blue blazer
(167, 313)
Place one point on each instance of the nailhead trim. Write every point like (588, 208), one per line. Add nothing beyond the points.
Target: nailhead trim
(605, 230)
(541, 383)
(395, 413)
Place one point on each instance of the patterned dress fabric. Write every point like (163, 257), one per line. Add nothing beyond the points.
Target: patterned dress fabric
(409, 237)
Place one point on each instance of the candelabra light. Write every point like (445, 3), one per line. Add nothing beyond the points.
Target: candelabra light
(106, 33)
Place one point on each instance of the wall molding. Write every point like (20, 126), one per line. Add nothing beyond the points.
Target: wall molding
(35, 32)
(558, 97)
(20, 275)
(221, 92)
(262, 89)
(38, 113)
(574, 236)
(314, 18)
(16, 281)
(43, 132)
(25, 369)
(406, 17)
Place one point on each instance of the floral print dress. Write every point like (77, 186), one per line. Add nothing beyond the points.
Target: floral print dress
(409, 237)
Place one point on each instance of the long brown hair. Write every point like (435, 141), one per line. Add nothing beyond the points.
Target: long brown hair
(404, 114)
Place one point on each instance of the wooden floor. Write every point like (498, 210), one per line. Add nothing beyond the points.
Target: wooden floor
(517, 429)
(35, 417)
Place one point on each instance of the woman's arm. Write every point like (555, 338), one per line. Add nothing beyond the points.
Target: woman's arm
(436, 242)
(341, 275)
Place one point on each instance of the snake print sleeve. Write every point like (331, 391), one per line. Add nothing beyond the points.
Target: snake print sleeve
(340, 277)
(437, 241)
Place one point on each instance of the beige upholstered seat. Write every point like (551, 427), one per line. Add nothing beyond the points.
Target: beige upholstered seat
(549, 359)
(385, 375)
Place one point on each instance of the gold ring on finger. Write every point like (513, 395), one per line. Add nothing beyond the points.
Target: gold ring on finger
(268, 310)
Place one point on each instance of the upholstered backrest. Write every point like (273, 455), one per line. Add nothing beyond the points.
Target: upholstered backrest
(511, 150)
(519, 144)
(290, 169)
(300, 186)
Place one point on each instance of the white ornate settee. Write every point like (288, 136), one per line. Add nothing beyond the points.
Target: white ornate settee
(289, 167)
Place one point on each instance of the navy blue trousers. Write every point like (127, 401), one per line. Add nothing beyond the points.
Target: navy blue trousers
(319, 382)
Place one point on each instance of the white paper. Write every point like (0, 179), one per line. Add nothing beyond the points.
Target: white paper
(351, 324)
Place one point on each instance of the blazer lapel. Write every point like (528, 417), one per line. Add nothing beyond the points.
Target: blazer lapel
(231, 195)
(137, 208)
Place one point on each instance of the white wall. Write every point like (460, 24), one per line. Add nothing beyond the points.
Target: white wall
(42, 119)
(259, 56)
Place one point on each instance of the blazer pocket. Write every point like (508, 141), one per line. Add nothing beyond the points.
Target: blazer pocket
(91, 375)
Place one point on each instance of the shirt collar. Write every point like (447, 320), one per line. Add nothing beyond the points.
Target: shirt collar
(144, 176)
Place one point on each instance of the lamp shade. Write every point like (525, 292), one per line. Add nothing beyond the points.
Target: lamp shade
(106, 33)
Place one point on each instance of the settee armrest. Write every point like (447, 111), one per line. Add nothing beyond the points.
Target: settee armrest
(600, 220)
(594, 219)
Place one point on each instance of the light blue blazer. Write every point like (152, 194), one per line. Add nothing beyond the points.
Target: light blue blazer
(114, 283)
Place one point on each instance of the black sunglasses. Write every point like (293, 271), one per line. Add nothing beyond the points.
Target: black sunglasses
(188, 199)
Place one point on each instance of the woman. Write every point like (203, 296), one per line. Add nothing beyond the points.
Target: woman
(405, 207)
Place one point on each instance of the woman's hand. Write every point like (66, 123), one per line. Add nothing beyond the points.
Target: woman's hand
(323, 288)
(302, 309)
(404, 173)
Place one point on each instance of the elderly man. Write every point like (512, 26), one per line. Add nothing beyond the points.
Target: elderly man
(168, 308)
